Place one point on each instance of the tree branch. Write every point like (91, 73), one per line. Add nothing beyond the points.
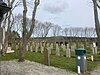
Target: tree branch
(98, 5)
(36, 3)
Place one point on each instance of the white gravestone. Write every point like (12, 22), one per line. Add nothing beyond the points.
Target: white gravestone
(47, 44)
(31, 48)
(9, 50)
(44, 44)
(42, 49)
(94, 48)
(94, 44)
(68, 54)
(57, 50)
(92, 58)
(51, 46)
(73, 49)
(91, 46)
(74, 45)
(33, 45)
(63, 47)
(37, 46)
(49, 50)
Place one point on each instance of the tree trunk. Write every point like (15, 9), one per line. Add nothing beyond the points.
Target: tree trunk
(25, 34)
(97, 24)
(24, 40)
(22, 52)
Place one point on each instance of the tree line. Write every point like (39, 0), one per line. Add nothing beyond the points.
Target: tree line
(48, 29)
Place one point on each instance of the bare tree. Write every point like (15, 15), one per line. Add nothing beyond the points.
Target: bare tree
(25, 33)
(38, 32)
(17, 23)
(46, 26)
(75, 31)
(8, 22)
(66, 31)
(80, 32)
(97, 24)
(56, 29)
(42, 29)
(90, 32)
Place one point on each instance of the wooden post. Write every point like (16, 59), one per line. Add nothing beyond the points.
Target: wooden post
(46, 57)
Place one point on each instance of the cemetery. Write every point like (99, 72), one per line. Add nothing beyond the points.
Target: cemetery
(31, 47)
(53, 54)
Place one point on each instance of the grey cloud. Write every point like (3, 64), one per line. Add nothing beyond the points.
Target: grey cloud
(56, 7)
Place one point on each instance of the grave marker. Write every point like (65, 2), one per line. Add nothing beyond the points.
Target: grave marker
(57, 50)
(46, 57)
(36, 48)
(68, 54)
(31, 48)
(9, 50)
(41, 48)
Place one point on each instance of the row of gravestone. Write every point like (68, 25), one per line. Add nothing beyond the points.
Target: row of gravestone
(40, 47)
(65, 48)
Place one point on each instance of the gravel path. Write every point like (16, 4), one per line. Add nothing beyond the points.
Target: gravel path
(96, 71)
(30, 68)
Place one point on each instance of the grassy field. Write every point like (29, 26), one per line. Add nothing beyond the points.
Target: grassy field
(57, 61)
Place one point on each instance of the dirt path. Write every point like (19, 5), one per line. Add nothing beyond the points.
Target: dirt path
(29, 68)
(96, 71)
(33, 68)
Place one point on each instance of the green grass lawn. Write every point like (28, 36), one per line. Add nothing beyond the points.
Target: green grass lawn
(57, 61)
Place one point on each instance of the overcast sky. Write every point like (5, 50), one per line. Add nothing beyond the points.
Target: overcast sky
(66, 13)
